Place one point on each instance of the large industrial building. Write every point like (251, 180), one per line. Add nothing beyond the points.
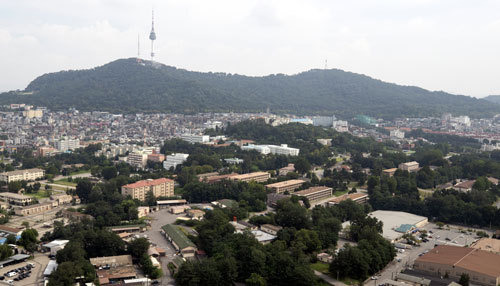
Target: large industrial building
(160, 187)
(396, 224)
(483, 267)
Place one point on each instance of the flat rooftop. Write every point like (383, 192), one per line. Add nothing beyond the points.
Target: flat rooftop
(471, 259)
(353, 197)
(488, 244)
(249, 175)
(312, 190)
(285, 184)
(393, 220)
(14, 196)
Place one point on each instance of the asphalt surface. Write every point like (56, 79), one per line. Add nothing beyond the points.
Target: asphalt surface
(404, 260)
(159, 219)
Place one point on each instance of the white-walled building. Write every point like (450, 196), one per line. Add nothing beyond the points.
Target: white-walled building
(63, 145)
(283, 149)
(174, 160)
(397, 134)
(192, 138)
(137, 159)
(340, 126)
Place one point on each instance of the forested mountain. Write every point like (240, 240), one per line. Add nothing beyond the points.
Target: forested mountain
(493, 98)
(126, 85)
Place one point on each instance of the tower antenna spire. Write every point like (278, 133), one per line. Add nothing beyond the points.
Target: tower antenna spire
(138, 47)
(152, 34)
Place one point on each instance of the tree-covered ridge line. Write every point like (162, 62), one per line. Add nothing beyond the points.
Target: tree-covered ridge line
(126, 86)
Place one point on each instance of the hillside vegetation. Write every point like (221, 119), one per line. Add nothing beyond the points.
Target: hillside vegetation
(128, 86)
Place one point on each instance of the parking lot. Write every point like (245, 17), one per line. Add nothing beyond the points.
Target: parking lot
(452, 235)
(159, 219)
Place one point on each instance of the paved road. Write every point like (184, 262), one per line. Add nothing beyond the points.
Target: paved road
(328, 279)
(160, 218)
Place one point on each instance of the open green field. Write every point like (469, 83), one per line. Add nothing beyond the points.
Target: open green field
(321, 267)
(79, 172)
(339, 193)
(38, 195)
(65, 183)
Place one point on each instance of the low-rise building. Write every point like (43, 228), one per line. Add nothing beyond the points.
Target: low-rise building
(465, 186)
(157, 158)
(359, 198)
(22, 175)
(76, 216)
(325, 257)
(412, 166)
(258, 177)
(389, 172)
(288, 169)
(487, 244)
(10, 230)
(178, 209)
(62, 199)
(412, 280)
(193, 138)
(179, 240)
(114, 269)
(263, 237)
(16, 199)
(271, 229)
(33, 209)
(195, 214)
(142, 211)
(54, 246)
(162, 187)
(285, 186)
(483, 267)
(171, 161)
(316, 193)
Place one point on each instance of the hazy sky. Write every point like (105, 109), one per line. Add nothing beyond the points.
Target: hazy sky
(450, 45)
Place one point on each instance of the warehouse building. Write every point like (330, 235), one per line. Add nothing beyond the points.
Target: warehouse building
(396, 224)
(482, 267)
(179, 240)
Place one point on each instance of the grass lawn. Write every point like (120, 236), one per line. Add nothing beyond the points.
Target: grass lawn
(40, 194)
(350, 281)
(340, 193)
(321, 267)
(79, 172)
(65, 183)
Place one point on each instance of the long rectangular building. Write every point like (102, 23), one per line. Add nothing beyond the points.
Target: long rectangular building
(22, 175)
(258, 177)
(482, 266)
(316, 193)
(162, 187)
(285, 186)
(16, 199)
(179, 240)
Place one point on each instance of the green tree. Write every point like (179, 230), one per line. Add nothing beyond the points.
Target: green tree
(109, 172)
(150, 199)
(302, 165)
(14, 186)
(11, 239)
(138, 247)
(5, 251)
(255, 280)
(464, 279)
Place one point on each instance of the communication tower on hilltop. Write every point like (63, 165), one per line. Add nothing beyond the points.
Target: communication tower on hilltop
(152, 35)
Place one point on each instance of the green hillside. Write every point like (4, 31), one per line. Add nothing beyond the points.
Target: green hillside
(128, 86)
